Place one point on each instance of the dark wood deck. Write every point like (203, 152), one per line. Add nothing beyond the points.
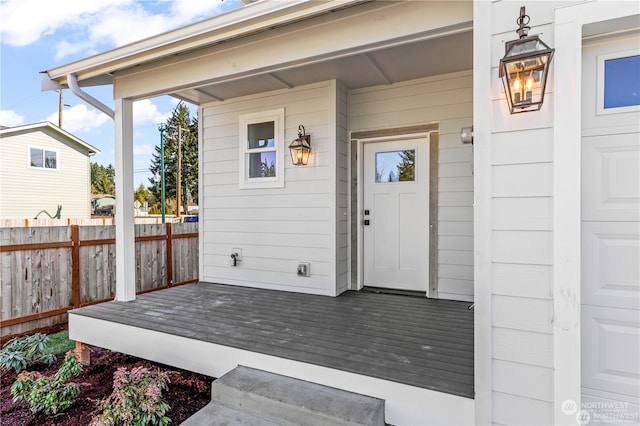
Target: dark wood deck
(411, 340)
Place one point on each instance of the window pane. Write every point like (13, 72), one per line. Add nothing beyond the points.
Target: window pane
(261, 135)
(395, 166)
(622, 82)
(262, 164)
(36, 158)
(50, 159)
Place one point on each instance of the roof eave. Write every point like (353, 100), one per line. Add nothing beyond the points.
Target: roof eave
(49, 125)
(249, 19)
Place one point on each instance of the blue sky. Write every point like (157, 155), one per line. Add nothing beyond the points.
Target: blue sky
(38, 35)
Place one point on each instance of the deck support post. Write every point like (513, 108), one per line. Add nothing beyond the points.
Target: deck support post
(82, 353)
(124, 217)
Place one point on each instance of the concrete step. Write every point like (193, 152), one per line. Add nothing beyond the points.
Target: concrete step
(214, 414)
(283, 400)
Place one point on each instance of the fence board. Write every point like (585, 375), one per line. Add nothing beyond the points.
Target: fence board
(185, 259)
(97, 264)
(150, 271)
(37, 284)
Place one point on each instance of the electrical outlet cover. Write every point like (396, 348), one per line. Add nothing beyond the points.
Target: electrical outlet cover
(304, 269)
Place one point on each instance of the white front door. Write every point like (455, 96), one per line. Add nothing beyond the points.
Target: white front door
(396, 214)
(610, 294)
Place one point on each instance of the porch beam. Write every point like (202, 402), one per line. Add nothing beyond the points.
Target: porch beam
(124, 218)
(279, 80)
(376, 69)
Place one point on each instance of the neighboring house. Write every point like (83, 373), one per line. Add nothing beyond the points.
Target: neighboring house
(43, 167)
(536, 222)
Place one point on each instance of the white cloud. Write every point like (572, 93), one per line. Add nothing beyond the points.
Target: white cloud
(80, 118)
(64, 48)
(146, 112)
(25, 21)
(10, 118)
(143, 149)
(96, 24)
(125, 25)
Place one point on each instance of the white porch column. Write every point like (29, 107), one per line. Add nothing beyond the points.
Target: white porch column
(124, 218)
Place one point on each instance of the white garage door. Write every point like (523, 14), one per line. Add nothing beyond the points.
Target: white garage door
(610, 294)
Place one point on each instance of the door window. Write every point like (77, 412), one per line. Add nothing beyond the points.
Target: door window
(396, 166)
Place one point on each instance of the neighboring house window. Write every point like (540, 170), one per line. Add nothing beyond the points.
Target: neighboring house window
(619, 82)
(43, 158)
(262, 149)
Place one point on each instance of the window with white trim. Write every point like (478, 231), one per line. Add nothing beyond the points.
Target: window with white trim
(262, 149)
(618, 80)
(42, 158)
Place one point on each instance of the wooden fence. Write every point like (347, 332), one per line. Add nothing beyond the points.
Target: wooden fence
(46, 271)
(95, 221)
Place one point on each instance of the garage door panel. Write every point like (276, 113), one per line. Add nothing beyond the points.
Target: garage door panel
(612, 337)
(608, 409)
(611, 177)
(611, 264)
(610, 238)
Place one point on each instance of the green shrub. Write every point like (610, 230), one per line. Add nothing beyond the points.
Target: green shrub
(49, 394)
(21, 352)
(136, 399)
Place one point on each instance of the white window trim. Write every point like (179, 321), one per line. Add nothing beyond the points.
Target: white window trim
(601, 110)
(30, 147)
(277, 116)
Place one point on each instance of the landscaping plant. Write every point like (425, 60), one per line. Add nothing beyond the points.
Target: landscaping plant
(136, 399)
(19, 353)
(49, 394)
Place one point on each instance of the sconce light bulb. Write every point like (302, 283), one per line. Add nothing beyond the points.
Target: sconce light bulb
(529, 83)
(517, 85)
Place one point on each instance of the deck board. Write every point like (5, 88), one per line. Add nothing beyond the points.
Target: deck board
(410, 340)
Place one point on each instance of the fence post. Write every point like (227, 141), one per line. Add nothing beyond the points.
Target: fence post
(75, 265)
(169, 254)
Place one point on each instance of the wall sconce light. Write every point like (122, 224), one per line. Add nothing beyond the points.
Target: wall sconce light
(524, 69)
(300, 148)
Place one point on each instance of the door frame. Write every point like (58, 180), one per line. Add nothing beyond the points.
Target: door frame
(358, 140)
(571, 24)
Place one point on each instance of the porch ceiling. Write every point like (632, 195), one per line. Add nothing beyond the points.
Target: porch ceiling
(386, 65)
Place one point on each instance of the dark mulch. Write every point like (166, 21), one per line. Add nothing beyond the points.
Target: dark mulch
(187, 392)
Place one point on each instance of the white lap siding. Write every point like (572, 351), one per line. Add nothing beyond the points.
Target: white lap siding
(514, 281)
(447, 101)
(28, 190)
(276, 228)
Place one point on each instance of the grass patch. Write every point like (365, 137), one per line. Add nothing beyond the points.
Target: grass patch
(59, 343)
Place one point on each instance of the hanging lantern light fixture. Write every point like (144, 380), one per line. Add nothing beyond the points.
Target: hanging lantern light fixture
(300, 148)
(524, 69)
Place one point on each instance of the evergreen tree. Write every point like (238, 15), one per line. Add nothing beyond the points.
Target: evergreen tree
(142, 194)
(189, 157)
(102, 179)
(406, 169)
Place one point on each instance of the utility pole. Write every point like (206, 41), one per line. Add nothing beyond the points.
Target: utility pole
(60, 105)
(162, 193)
(179, 177)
